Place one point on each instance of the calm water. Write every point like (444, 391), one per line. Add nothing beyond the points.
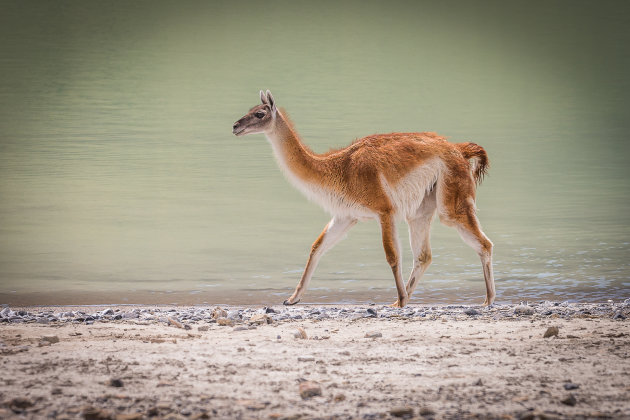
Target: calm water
(120, 180)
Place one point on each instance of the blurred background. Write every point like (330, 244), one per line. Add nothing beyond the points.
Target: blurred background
(120, 180)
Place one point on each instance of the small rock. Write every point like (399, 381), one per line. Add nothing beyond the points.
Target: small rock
(478, 382)
(175, 322)
(372, 312)
(301, 333)
(306, 359)
(93, 413)
(339, 398)
(523, 310)
(426, 411)
(219, 313)
(130, 416)
(471, 312)
(252, 404)
(373, 335)
(570, 400)
(309, 389)
(569, 386)
(551, 332)
(52, 339)
(260, 319)
(203, 328)
(115, 382)
(270, 311)
(225, 322)
(240, 328)
(234, 315)
(401, 411)
(20, 403)
(619, 315)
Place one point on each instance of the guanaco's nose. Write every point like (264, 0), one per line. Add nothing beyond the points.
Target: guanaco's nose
(235, 126)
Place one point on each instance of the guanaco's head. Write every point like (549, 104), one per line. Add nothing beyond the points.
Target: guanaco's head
(259, 119)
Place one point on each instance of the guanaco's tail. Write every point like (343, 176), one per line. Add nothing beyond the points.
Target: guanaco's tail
(480, 161)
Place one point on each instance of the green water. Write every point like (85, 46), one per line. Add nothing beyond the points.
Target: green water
(120, 178)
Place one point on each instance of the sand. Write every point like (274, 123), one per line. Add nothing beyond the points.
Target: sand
(443, 366)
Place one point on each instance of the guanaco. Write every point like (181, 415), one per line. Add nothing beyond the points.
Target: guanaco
(384, 177)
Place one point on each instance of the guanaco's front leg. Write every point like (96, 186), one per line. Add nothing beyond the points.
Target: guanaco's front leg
(392, 253)
(330, 236)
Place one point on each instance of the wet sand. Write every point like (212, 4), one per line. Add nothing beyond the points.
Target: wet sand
(357, 361)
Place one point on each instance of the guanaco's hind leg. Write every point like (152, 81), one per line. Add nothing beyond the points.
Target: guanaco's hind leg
(330, 236)
(456, 207)
(419, 233)
(470, 231)
(392, 253)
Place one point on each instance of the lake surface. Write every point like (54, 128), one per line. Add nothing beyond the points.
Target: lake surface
(120, 180)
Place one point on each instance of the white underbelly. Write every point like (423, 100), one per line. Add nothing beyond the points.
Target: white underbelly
(333, 202)
(407, 194)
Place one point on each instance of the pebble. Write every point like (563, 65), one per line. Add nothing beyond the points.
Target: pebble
(20, 403)
(301, 333)
(225, 322)
(52, 339)
(309, 389)
(306, 359)
(570, 400)
(373, 335)
(234, 314)
(261, 319)
(471, 311)
(339, 398)
(115, 382)
(92, 413)
(203, 328)
(570, 386)
(426, 411)
(130, 416)
(219, 313)
(524, 310)
(401, 411)
(551, 332)
(174, 322)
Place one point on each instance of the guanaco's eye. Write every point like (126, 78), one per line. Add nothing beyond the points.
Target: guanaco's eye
(259, 114)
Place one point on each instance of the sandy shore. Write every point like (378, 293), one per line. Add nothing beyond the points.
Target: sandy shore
(355, 362)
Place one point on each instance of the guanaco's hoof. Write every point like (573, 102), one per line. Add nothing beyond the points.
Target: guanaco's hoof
(287, 303)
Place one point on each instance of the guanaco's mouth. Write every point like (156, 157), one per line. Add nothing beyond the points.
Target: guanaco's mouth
(238, 131)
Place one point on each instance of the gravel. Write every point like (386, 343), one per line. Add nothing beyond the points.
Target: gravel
(203, 315)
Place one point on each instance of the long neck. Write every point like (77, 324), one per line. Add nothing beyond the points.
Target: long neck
(292, 155)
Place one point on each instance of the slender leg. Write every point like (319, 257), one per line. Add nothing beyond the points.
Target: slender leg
(456, 207)
(470, 231)
(392, 253)
(330, 236)
(419, 232)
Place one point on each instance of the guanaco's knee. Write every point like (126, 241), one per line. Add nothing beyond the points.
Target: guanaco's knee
(486, 246)
(424, 258)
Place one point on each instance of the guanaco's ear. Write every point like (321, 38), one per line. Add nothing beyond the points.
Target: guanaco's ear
(263, 98)
(271, 102)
